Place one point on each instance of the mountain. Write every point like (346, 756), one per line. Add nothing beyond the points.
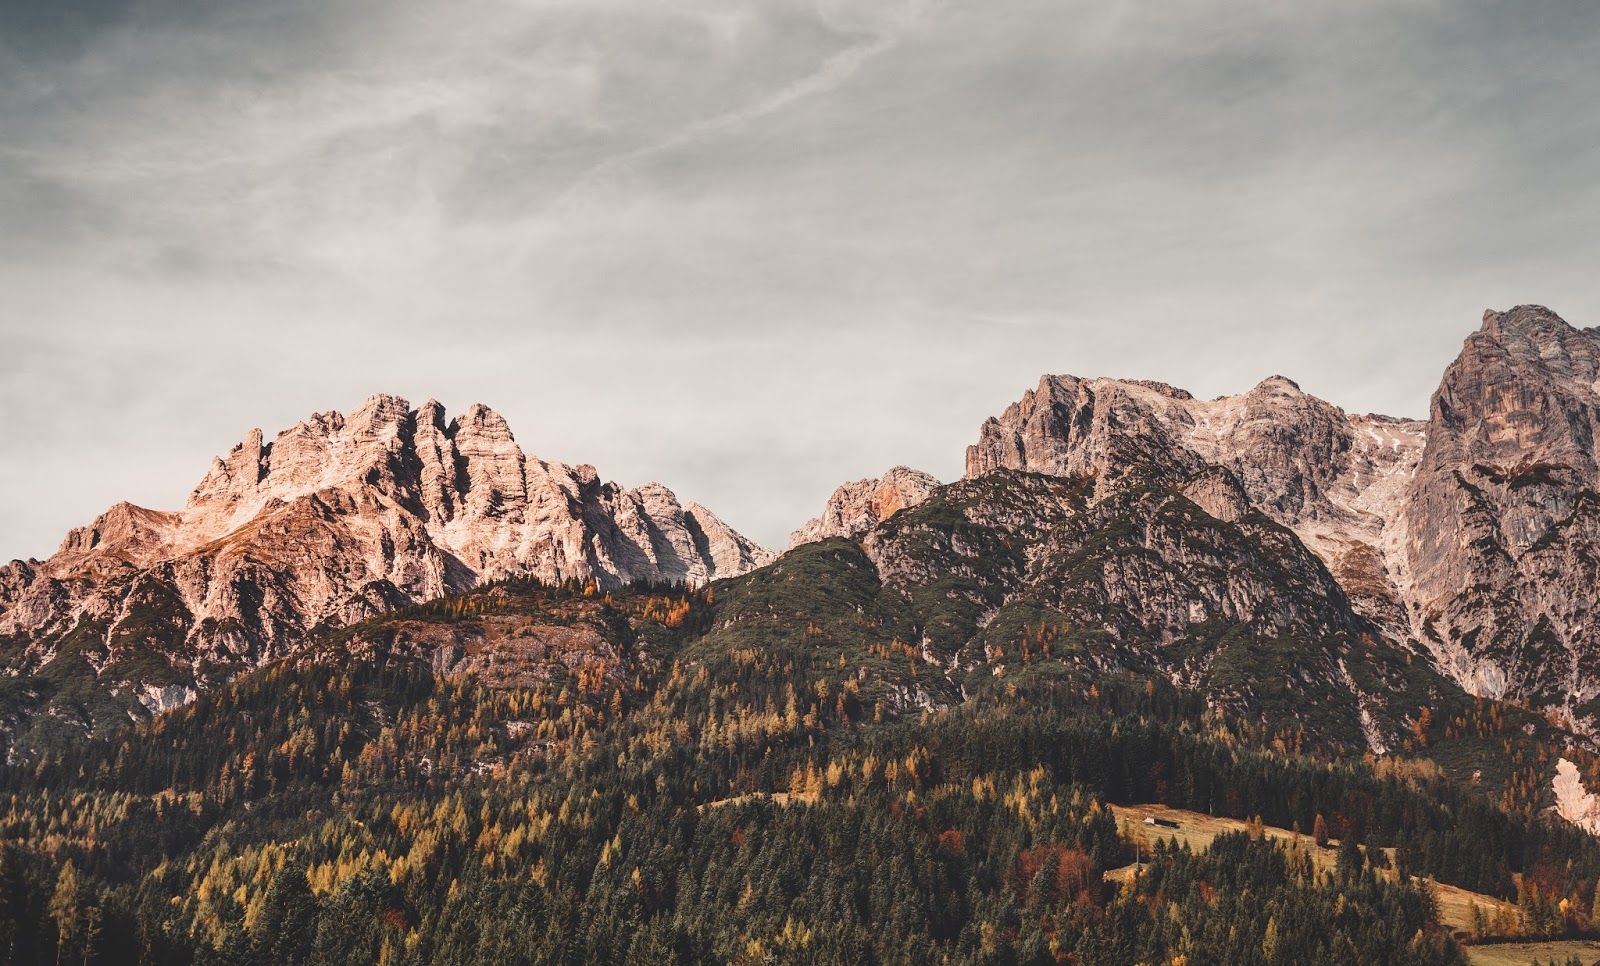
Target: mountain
(857, 507)
(901, 747)
(336, 519)
(1503, 518)
(1246, 546)
(693, 776)
(1472, 535)
(995, 580)
(900, 741)
(1337, 480)
(1286, 523)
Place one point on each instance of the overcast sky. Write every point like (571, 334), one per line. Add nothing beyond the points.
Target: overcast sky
(752, 249)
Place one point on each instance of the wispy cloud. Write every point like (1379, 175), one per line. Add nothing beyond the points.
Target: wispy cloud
(834, 71)
(751, 248)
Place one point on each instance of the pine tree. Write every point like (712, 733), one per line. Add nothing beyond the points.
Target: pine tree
(64, 909)
(1269, 942)
(91, 933)
(1350, 861)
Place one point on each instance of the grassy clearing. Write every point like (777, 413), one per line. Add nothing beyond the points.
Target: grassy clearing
(1197, 830)
(1522, 954)
(776, 798)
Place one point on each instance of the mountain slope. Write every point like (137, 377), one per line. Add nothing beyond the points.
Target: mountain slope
(1337, 480)
(1014, 575)
(1504, 515)
(1473, 536)
(334, 520)
(558, 774)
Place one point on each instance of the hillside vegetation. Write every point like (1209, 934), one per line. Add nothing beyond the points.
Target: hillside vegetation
(525, 774)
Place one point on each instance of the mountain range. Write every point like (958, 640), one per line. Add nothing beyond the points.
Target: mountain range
(1470, 534)
(388, 688)
(335, 519)
(1268, 549)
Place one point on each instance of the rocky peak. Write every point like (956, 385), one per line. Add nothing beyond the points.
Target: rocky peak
(1335, 479)
(493, 485)
(340, 517)
(728, 552)
(324, 450)
(126, 531)
(1535, 325)
(857, 507)
(1526, 385)
(1476, 533)
(1278, 384)
(1502, 517)
(381, 416)
(645, 533)
(1085, 427)
(438, 486)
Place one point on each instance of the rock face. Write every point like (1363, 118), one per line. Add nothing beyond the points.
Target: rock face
(855, 508)
(336, 519)
(1474, 535)
(1336, 479)
(1096, 576)
(1575, 803)
(1504, 519)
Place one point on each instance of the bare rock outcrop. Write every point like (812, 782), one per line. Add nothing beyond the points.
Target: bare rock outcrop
(1335, 479)
(857, 507)
(1473, 535)
(1504, 516)
(335, 519)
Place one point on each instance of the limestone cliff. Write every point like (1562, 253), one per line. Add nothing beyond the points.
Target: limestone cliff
(857, 507)
(1503, 519)
(1473, 535)
(335, 519)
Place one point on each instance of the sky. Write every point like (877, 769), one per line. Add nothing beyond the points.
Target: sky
(752, 249)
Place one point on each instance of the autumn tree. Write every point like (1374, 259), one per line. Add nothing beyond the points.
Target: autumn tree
(65, 909)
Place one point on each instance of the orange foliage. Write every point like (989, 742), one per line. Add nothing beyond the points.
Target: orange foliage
(1073, 871)
(952, 843)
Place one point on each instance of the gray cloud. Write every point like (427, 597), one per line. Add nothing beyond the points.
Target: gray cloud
(752, 250)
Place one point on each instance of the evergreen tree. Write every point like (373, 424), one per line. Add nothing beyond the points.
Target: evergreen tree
(66, 910)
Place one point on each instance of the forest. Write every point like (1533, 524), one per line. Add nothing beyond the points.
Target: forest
(699, 777)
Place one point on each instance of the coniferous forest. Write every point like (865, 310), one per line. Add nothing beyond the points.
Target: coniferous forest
(659, 789)
(994, 484)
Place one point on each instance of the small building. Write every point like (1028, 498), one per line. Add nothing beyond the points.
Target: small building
(1161, 822)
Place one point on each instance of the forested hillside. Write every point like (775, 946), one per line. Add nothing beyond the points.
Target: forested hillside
(738, 773)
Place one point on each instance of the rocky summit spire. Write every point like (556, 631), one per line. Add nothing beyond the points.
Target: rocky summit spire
(1504, 530)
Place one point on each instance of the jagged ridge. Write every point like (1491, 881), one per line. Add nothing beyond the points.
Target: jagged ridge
(336, 519)
(1474, 535)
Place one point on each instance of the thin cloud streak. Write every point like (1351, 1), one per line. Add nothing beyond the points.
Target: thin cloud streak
(836, 70)
(753, 249)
